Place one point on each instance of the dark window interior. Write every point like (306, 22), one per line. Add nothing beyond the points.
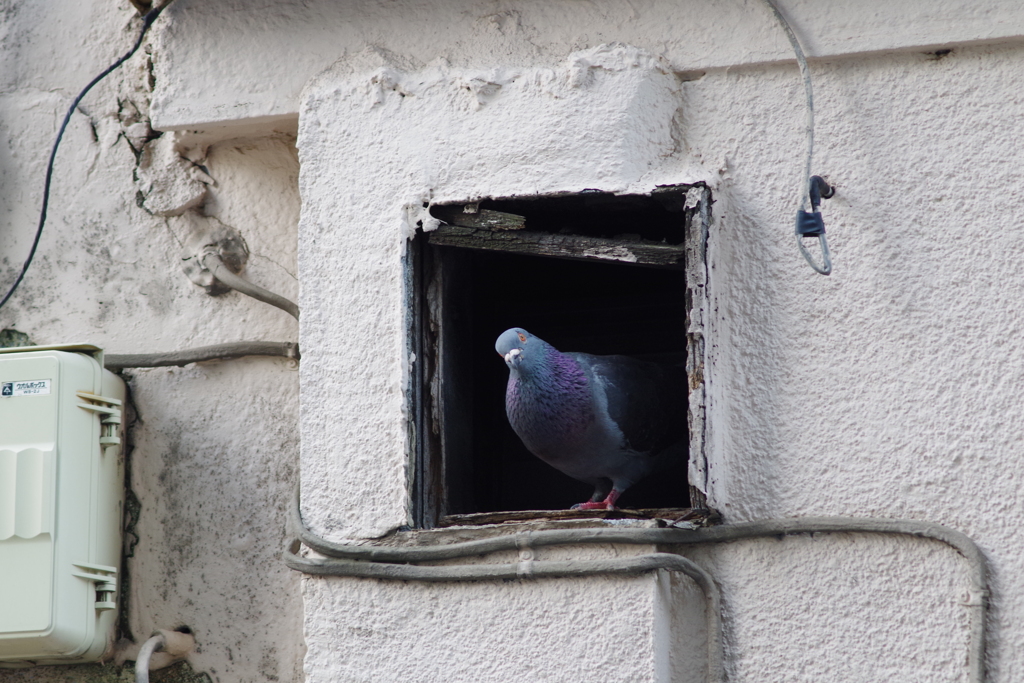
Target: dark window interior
(472, 460)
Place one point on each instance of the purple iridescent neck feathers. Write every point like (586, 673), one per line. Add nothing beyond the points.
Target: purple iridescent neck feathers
(548, 399)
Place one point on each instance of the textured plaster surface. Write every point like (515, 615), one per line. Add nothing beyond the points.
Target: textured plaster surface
(648, 628)
(838, 396)
(377, 141)
(844, 607)
(215, 446)
(890, 389)
(490, 631)
(210, 533)
(265, 51)
(600, 119)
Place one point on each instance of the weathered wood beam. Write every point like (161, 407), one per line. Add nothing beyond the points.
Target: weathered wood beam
(564, 246)
(480, 218)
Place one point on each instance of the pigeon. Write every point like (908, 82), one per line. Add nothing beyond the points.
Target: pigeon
(608, 421)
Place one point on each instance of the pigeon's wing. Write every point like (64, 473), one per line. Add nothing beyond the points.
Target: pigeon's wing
(647, 401)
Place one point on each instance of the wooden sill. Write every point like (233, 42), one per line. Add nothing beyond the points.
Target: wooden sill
(665, 516)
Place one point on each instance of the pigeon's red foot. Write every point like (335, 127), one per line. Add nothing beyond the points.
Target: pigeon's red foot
(592, 505)
(606, 504)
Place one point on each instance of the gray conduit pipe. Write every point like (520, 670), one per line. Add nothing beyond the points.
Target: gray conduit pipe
(213, 264)
(529, 569)
(228, 351)
(373, 554)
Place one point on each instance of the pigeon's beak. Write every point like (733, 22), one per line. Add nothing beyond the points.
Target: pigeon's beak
(513, 358)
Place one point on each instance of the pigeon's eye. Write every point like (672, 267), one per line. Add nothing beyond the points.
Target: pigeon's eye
(522, 337)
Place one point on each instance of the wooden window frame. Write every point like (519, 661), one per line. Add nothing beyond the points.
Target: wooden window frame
(468, 226)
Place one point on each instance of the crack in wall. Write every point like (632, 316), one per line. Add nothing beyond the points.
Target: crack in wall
(292, 275)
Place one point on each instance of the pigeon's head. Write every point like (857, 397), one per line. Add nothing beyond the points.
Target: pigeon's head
(514, 346)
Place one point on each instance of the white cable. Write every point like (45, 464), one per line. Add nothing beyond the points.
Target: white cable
(806, 203)
(172, 646)
(805, 74)
(145, 652)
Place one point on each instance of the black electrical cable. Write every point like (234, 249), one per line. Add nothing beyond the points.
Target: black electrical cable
(147, 21)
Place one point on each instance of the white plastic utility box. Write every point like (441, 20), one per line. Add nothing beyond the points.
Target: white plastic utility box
(61, 504)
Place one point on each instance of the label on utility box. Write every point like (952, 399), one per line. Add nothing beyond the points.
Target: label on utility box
(32, 387)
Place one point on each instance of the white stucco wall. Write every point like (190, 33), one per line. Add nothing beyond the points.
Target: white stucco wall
(601, 119)
(215, 445)
(890, 389)
(266, 51)
(787, 415)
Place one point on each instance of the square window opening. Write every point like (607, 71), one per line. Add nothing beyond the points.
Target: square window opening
(593, 272)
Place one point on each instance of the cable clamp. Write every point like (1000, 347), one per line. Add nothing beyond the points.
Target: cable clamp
(811, 224)
(976, 597)
(524, 570)
(524, 540)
